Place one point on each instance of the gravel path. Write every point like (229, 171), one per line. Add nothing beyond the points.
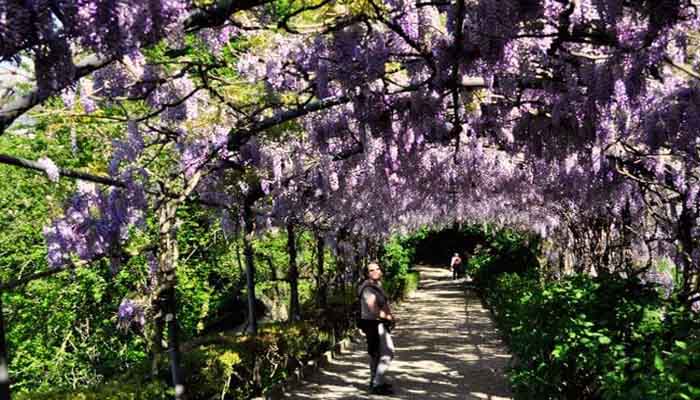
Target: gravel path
(446, 348)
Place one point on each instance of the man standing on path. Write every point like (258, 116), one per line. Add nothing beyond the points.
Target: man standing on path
(456, 266)
(376, 322)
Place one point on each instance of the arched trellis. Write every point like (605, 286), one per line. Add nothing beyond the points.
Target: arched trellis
(537, 89)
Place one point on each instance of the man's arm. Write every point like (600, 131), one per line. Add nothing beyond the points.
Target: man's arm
(385, 313)
(373, 306)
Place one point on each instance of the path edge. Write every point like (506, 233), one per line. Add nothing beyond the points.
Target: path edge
(278, 390)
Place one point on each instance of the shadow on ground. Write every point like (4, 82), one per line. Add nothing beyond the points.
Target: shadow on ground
(446, 348)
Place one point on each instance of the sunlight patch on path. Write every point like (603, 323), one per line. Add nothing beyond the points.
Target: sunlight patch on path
(447, 348)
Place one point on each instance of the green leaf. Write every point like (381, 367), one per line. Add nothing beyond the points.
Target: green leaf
(604, 340)
(658, 362)
(556, 353)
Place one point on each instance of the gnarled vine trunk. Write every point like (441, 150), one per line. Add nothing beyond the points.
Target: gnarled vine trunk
(4, 370)
(293, 273)
(248, 227)
(166, 297)
(254, 193)
(321, 290)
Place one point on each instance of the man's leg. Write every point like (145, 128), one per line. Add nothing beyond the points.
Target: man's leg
(373, 345)
(373, 362)
(386, 354)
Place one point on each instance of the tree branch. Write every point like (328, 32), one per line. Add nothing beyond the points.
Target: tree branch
(239, 138)
(5, 286)
(682, 67)
(11, 111)
(201, 18)
(24, 163)
(102, 180)
(219, 13)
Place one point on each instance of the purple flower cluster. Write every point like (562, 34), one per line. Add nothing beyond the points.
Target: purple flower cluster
(131, 314)
(51, 30)
(95, 223)
(176, 100)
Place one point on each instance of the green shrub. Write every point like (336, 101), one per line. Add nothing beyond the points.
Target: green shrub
(236, 367)
(505, 252)
(111, 391)
(664, 363)
(243, 366)
(411, 282)
(584, 337)
(596, 338)
(397, 258)
(398, 288)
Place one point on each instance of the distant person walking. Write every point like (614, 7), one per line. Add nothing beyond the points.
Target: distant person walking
(456, 266)
(376, 322)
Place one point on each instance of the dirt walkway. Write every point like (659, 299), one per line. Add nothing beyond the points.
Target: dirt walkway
(446, 348)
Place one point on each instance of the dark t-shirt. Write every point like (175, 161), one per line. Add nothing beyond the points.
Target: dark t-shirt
(367, 289)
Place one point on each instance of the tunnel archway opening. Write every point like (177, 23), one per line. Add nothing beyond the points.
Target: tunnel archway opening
(438, 246)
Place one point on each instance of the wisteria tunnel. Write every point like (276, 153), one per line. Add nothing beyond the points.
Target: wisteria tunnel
(196, 192)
